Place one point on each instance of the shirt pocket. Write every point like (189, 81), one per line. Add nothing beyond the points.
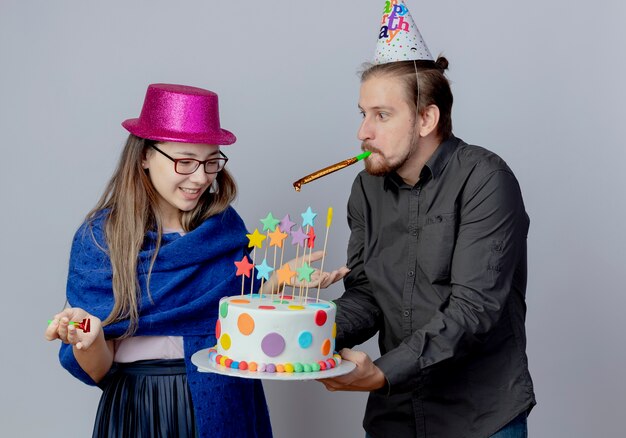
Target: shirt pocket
(435, 245)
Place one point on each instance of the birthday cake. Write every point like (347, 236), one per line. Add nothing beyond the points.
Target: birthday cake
(277, 332)
(273, 334)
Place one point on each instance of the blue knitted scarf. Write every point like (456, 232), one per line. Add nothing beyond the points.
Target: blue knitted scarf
(190, 275)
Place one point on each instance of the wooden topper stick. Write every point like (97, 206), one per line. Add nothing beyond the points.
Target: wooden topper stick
(329, 219)
(310, 244)
(252, 273)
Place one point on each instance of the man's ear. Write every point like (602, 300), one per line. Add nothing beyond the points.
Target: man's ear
(428, 121)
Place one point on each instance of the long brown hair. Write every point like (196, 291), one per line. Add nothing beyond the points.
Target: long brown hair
(433, 87)
(133, 207)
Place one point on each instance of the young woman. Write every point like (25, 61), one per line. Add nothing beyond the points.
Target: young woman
(148, 267)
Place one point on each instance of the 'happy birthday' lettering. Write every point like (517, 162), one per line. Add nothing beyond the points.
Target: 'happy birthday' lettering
(392, 12)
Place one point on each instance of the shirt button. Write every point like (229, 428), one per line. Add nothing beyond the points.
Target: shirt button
(411, 273)
(414, 233)
(406, 313)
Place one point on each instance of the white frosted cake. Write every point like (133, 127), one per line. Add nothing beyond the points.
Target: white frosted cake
(267, 334)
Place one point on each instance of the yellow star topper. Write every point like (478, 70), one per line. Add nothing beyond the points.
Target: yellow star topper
(255, 239)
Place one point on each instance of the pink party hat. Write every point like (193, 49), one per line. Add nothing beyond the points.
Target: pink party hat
(398, 38)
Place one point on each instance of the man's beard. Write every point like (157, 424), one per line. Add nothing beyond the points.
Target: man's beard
(386, 167)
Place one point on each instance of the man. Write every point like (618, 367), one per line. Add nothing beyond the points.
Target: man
(437, 254)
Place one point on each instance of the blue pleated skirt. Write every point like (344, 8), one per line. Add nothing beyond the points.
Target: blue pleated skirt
(147, 398)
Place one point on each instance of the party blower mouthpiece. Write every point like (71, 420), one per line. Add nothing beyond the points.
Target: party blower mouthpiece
(330, 169)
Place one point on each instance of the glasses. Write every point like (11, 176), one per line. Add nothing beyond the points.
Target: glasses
(187, 166)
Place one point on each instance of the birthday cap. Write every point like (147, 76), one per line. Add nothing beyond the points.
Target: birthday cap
(399, 39)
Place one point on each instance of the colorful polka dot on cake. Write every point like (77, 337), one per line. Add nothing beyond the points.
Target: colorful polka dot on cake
(326, 347)
(224, 309)
(273, 344)
(225, 341)
(245, 323)
(320, 317)
(218, 329)
(319, 305)
(305, 339)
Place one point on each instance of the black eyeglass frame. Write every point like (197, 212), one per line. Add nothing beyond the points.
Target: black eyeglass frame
(223, 159)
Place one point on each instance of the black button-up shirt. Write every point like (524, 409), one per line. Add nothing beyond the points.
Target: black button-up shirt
(438, 270)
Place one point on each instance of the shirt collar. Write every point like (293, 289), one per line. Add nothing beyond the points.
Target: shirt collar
(434, 166)
(441, 156)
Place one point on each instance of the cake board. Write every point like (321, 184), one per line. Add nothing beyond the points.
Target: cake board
(201, 360)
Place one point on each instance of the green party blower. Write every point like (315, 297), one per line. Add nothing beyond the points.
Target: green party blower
(84, 325)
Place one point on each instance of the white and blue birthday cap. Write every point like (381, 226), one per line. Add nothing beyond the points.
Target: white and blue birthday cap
(398, 38)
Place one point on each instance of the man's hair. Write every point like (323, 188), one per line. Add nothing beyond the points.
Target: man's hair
(434, 88)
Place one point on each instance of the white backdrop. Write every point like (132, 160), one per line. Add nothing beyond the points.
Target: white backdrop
(539, 82)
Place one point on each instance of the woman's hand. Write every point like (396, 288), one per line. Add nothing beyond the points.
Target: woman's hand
(317, 277)
(93, 353)
(321, 279)
(329, 278)
(60, 328)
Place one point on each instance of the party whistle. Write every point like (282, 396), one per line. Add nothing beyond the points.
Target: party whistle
(84, 325)
(330, 169)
